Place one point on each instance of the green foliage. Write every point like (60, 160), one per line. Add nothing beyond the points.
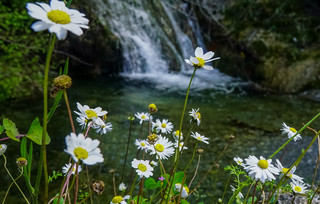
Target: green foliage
(21, 51)
(287, 18)
(35, 133)
(11, 129)
(55, 175)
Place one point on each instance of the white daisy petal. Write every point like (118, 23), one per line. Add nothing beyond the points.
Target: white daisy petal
(208, 55)
(40, 25)
(198, 52)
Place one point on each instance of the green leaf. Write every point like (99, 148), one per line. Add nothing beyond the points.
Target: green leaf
(55, 104)
(66, 67)
(183, 201)
(150, 183)
(11, 129)
(55, 201)
(178, 177)
(35, 133)
(1, 129)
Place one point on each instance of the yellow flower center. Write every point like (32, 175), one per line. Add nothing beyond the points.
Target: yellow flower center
(159, 147)
(263, 164)
(59, 17)
(80, 153)
(187, 189)
(153, 106)
(239, 162)
(293, 130)
(117, 199)
(177, 133)
(201, 62)
(142, 167)
(143, 117)
(285, 170)
(199, 138)
(297, 188)
(163, 125)
(90, 114)
(143, 144)
(198, 115)
(0, 146)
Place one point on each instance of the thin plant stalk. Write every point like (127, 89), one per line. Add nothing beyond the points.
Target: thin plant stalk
(194, 152)
(180, 129)
(317, 165)
(304, 127)
(140, 189)
(43, 153)
(226, 187)
(294, 164)
(88, 180)
(13, 181)
(247, 195)
(77, 183)
(132, 187)
(69, 110)
(196, 171)
(114, 184)
(254, 190)
(315, 192)
(128, 143)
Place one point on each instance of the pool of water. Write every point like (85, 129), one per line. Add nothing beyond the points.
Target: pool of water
(254, 120)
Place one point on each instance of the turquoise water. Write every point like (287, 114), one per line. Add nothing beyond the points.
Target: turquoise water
(254, 120)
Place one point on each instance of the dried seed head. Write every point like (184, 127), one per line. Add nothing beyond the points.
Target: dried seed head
(98, 186)
(62, 82)
(21, 162)
(152, 138)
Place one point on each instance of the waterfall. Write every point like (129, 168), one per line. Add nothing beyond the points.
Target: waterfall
(155, 42)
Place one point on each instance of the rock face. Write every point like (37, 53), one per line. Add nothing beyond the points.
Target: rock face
(275, 44)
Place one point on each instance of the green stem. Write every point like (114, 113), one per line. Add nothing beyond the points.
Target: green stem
(180, 128)
(43, 153)
(225, 188)
(194, 152)
(125, 158)
(13, 181)
(294, 164)
(132, 187)
(304, 127)
(315, 192)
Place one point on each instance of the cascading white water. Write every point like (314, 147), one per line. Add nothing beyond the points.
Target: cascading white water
(154, 45)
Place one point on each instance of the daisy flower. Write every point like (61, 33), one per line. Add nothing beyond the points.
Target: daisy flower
(180, 146)
(176, 135)
(298, 187)
(142, 167)
(239, 161)
(3, 148)
(290, 174)
(83, 121)
(260, 169)
(142, 144)
(200, 59)
(240, 195)
(162, 126)
(102, 127)
(119, 199)
(290, 131)
(66, 168)
(89, 113)
(184, 192)
(57, 18)
(85, 149)
(196, 116)
(122, 187)
(199, 137)
(162, 147)
(142, 116)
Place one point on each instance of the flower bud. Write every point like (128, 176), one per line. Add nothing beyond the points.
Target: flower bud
(62, 82)
(152, 138)
(21, 162)
(131, 118)
(3, 148)
(98, 186)
(152, 108)
(200, 151)
(112, 171)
